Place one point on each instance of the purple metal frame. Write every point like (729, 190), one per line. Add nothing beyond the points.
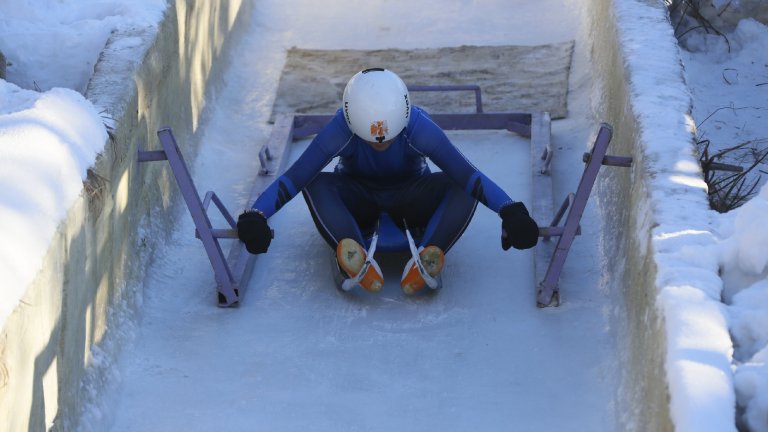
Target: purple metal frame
(233, 271)
(227, 284)
(548, 292)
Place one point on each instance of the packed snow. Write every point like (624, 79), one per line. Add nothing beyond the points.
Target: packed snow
(728, 78)
(50, 135)
(47, 143)
(52, 43)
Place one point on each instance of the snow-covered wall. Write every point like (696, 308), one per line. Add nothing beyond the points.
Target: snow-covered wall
(145, 79)
(676, 373)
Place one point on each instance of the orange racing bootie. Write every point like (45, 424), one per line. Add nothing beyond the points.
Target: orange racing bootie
(362, 269)
(431, 260)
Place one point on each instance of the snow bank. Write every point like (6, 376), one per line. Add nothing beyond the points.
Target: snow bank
(744, 251)
(50, 43)
(729, 106)
(45, 151)
(87, 216)
(724, 15)
(744, 260)
(753, 390)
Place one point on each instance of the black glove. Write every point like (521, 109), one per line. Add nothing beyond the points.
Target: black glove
(518, 229)
(252, 229)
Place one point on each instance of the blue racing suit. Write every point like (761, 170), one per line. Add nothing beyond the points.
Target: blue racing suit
(366, 183)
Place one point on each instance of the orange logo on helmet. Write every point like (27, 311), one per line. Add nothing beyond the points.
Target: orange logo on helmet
(379, 128)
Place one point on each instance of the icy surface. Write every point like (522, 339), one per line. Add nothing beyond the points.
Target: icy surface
(299, 355)
(297, 351)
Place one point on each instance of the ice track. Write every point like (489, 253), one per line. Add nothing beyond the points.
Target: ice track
(299, 355)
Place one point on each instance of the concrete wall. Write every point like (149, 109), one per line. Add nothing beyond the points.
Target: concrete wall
(621, 193)
(624, 201)
(642, 93)
(92, 273)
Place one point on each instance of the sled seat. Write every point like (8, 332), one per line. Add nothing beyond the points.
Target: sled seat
(391, 237)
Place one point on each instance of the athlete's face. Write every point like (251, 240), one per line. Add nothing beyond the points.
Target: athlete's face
(380, 146)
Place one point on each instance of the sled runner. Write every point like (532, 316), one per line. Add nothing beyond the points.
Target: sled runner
(232, 271)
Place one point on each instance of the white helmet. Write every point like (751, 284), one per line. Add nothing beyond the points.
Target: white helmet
(376, 104)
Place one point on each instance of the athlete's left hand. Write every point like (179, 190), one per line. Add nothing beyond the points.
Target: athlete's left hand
(518, 229)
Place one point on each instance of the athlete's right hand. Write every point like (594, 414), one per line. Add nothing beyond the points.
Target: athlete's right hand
(253, 230)
(518, 229)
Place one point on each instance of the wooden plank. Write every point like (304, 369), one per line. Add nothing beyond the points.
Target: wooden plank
(519, 123)
(541, 184)
(282, 135)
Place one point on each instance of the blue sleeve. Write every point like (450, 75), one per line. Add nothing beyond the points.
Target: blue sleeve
(429, 139)
(323, 148)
